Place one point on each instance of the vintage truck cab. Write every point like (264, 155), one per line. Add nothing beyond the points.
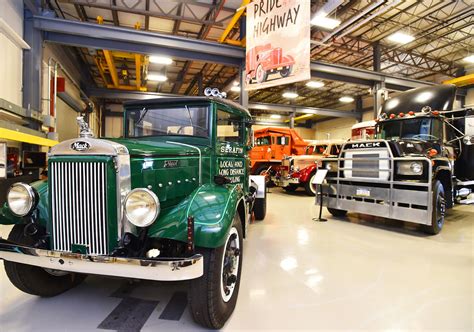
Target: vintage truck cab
(419, 165)
(171, 200)
(299, 171)
(272, 145)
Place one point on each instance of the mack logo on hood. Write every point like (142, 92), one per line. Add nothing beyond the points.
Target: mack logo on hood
(80, 146)
(365, 145)
(171, 163)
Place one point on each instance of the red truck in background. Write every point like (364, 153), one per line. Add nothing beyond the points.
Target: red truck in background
(264, 60)
(298, 171)
(363, 130)
(271, 146)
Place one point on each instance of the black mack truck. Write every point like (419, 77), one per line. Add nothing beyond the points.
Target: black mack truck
(420, 164)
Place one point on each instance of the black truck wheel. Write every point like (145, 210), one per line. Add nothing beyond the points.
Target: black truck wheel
(36, 280)
(213, 296)
(291, 187)
(439, 209)
(309, 187)
(286, 71)
(337, 212)
(260, 206)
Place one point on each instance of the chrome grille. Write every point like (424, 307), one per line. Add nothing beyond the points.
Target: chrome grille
(365, 165)
(79, 205)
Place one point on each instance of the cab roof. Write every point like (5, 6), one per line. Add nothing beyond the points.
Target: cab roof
(189, 99)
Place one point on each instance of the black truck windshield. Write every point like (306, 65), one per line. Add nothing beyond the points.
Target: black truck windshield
(187, 120)
(424, 129)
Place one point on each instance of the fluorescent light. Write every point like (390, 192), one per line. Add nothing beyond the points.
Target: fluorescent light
(162, 60)
(156, 77)
(290, 95)
(235, 89)
(401, 38)
(469, 58)
(315, 84)
(346, 99)
(325, 22)
(275, 116)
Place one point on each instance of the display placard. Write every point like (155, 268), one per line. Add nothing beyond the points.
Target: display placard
(320, 176)
(3, 160)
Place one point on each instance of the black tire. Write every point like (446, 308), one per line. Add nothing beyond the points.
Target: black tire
(308, 186)
(263, 72)
(291, 187)
(439, 209)
(260, 207)
(35, 280)
(206, 301)
(286, 71)
(337, 212)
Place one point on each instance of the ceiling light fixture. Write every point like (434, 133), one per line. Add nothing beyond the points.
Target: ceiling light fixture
(275, 116)
(401, 38)
(235, 88)
(156, 77)
(161, 60)
(290, 95)
(469, 58)
(325, 22)
(346, 99)
(315, 84)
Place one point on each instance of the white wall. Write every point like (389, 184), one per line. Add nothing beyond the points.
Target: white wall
(11, 56)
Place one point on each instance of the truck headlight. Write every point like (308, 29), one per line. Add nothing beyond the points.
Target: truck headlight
(22, 199)
(142, 207)
(410, 168)
(331, 166)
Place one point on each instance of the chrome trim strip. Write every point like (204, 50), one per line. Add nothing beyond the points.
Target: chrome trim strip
(174, 269)
(200, 156)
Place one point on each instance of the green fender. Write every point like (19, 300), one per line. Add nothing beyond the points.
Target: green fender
(41, 187)
(213, 208)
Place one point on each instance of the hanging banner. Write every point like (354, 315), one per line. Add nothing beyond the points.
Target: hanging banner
(278, 43)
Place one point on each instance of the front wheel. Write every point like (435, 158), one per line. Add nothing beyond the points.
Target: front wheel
(291, 187)
(36, 280)
(309, 187)
(286, 71)
(439, 209)
(260, 206)
(337, 212)
(261, 75)
(213, 296)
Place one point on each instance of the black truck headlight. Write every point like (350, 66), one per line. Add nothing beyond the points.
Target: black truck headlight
(22, 199)
(142, 207)
(410, 168)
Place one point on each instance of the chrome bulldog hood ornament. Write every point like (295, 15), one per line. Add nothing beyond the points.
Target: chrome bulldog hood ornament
(86, 131)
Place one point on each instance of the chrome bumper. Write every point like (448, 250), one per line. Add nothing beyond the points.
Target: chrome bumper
(283, 182)
(173, 269)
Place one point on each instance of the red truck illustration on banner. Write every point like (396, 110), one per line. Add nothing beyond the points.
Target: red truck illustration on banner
(264, 60)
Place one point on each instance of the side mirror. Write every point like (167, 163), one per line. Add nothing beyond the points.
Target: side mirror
(468, 140)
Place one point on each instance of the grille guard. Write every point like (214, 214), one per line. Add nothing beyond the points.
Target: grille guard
(164, 269)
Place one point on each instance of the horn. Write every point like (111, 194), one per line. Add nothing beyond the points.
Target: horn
(215, 92)
(208, 92)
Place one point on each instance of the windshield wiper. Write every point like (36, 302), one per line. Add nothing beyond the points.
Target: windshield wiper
(145, 111)
(189, 115)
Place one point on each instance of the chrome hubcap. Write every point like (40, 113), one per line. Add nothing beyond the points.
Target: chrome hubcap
(230, 265)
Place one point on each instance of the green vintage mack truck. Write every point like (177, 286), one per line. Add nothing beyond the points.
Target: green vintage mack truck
(171, 200)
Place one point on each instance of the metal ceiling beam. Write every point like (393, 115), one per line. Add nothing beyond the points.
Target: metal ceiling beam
(359, 76)
(303, 110)
(82, 34)
(141, 95)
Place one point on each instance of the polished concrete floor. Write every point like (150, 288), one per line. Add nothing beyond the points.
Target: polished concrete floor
(354, 273)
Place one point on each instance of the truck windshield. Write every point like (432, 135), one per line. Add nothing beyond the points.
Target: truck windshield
(265, 140)
(424, 129)
(187, 120)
